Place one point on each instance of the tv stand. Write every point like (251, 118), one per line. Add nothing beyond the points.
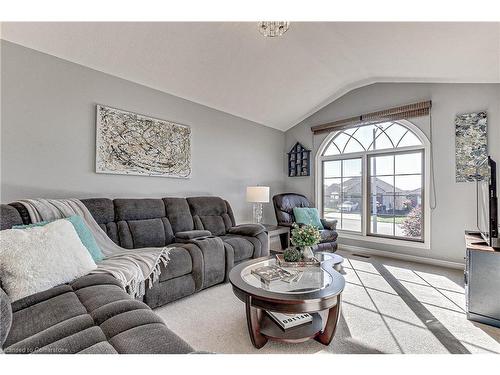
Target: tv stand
(482, 280)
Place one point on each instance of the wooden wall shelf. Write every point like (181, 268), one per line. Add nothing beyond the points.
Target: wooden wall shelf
(299, 161)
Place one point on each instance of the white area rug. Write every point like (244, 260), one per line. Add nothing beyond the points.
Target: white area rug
(389, 306)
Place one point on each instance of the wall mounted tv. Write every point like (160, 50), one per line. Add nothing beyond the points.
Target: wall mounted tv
(487, 201)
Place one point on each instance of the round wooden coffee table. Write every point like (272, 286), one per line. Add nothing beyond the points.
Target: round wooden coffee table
(318, 292)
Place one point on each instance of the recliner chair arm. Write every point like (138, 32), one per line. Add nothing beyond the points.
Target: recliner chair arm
(329, 224)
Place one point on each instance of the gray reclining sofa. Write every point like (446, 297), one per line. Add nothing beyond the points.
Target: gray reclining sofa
(94, 315)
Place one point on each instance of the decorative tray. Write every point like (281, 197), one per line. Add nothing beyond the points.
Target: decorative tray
(303, 263)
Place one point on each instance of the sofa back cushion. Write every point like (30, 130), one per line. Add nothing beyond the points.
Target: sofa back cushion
(133, 223)
(103, 211)
(142, 223)
(284, 205)
(211, 213)
(179, 214)
(9, 216)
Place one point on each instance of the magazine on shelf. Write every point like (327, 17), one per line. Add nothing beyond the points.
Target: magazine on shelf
(287, 321)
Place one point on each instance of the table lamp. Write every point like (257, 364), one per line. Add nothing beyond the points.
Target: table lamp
(257, 195)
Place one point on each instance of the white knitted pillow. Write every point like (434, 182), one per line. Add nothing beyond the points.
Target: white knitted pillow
(38, 258)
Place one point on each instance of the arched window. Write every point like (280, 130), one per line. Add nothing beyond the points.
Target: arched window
(371, 178)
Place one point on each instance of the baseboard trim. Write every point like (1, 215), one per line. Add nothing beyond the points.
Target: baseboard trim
(413, 258)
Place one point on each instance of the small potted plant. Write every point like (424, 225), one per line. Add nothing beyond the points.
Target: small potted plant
(303, 238)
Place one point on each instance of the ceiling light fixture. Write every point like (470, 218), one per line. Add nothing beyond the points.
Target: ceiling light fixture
(273, 28)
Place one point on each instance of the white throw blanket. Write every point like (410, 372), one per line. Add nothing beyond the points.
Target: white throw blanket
(132, 267)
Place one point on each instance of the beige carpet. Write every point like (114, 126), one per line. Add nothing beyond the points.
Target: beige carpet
(389, 306)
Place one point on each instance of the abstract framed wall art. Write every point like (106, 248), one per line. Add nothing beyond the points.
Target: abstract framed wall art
(471, 144)
(134, 144)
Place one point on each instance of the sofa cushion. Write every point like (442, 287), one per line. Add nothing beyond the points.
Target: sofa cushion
(43, 315)
(307, 216)
(5, 316)
(90, 315)
(150, 232)
(179, 214)
(138, 209)
(210, 213)
(10, 217)
(214, 224)
(243, 248)
(82, 230)
(52, 253)
(180, 264)
(102, 209)
(284, 204)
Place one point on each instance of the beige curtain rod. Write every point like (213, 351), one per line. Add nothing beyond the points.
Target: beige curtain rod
(391, 114)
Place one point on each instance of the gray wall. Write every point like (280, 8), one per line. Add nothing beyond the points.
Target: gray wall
(48, 137)
(456, 206)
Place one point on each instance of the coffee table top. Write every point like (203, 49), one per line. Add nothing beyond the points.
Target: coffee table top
(315, 287)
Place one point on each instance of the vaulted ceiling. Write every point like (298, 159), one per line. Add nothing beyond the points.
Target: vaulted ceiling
(276, 82)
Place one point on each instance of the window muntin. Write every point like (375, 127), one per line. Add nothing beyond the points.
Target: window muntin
(371, 137)
(394, 183)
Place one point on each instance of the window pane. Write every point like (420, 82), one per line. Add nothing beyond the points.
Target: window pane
(409, 139)
(406, 184)
(331, 150)
(382, 214)
(331, 186)
(409, 163)
(352, 167)
(353, 146)
(396, 132)
(331, 208)
(382, 165)
(410, 222)
(381, 142)
(341, 140)
(365, 135)
(331, 168)
(382, 185)
(351, 206)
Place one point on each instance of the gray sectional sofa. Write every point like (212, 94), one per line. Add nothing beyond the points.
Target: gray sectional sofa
(94, 315)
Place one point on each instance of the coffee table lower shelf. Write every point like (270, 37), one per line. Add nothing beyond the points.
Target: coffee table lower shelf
(304, 332)
(261, 327)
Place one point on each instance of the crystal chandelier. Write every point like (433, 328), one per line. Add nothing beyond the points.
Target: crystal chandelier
(273, 28)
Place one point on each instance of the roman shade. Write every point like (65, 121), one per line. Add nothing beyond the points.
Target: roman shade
(390, 114)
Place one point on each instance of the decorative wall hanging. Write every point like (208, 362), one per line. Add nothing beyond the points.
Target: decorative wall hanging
(471, 144)
(129, 143)
(299, 161)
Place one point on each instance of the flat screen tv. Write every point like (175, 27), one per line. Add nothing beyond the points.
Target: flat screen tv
(487, 202)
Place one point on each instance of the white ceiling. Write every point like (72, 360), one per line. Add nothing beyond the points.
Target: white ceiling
(276, 82)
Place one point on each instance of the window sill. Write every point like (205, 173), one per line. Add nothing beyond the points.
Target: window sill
(382, 240)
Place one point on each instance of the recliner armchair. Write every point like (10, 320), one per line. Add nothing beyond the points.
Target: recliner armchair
(283, 208)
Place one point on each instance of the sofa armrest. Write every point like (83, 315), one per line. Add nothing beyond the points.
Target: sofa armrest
(250, 230)
(329, 224)
(191, 234)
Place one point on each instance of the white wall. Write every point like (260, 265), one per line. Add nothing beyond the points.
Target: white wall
(48, 137)
(456, 208)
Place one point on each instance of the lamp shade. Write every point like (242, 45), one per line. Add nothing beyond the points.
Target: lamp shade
(258, 194)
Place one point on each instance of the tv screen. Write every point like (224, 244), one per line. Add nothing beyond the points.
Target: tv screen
(487, 221)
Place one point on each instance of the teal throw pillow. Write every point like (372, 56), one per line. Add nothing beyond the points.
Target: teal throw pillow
(83, 232)
(307, 216)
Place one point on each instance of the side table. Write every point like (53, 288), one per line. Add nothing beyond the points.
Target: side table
(282, 232)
